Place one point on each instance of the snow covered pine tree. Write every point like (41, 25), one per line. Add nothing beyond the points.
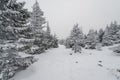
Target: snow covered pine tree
(76, 39)
(111, 34)
(92, 39)
(50, 41)
(43, 40)
(37, 25)
(13, 18)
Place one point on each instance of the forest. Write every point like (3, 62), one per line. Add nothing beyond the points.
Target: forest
(27, 43)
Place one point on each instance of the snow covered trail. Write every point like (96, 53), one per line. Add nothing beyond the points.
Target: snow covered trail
(58, 64)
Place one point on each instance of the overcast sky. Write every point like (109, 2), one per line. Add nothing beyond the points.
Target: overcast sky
(63, 14)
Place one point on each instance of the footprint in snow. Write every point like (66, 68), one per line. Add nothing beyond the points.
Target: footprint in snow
(70, 53)
(100, 61)
(76, 62)
(100, 65)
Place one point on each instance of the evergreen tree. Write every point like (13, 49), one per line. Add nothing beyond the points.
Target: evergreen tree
(76, 39)
(37, 23)
(37, 17)
(69, 43)
(13, 25)
(42, 38)
(48, 31)
(118, 35)
(54, 41)
(49, 40)
(13, 17)
(100, 35)
(47, 37)
(92, 39)
(61, 42)
(106, 37)
(110, 35)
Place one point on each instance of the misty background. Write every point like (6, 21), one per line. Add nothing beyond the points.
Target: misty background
(89, 14)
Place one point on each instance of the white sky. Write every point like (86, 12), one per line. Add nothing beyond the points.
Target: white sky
(63, 14)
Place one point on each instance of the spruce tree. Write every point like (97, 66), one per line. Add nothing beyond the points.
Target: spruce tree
(13, 18)
(47, 37)
(37, 21)
(77, 38)
(13, 25)
(69, 43)
(118, 35)
(48, 31)
(54, 41)
(92, 39)
(100, 35)
(111, 34)
(37, 25)
(37, 17)
(43, 38)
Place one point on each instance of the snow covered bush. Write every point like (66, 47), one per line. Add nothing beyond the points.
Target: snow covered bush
(116, 49)
(61, 42)
(91, 46)
(12, 63)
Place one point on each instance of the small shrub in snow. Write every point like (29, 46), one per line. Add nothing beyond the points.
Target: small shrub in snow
(116, 49)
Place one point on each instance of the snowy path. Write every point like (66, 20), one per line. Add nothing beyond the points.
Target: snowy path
(57, 64)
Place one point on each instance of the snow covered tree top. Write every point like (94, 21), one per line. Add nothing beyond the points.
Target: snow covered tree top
(37, 16)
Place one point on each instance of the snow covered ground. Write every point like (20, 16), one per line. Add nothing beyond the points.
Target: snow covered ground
(58, 64)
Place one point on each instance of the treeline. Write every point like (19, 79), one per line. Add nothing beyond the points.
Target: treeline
(94, 38)
(18, 25)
